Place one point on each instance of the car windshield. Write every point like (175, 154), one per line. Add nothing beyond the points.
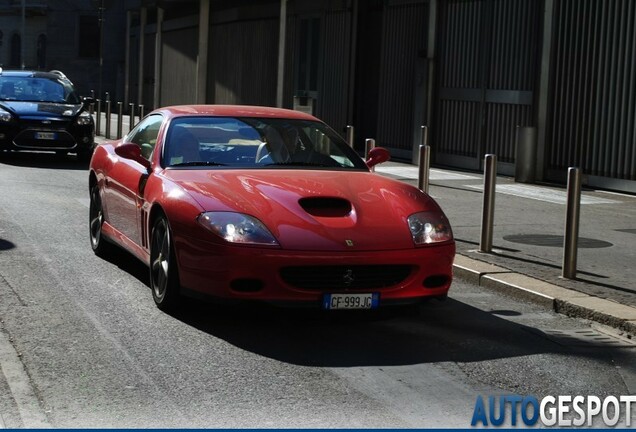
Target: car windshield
(36, 89)
(256, 143)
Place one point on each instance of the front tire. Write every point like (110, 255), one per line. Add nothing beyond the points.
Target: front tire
(99, 244)
(164, 276)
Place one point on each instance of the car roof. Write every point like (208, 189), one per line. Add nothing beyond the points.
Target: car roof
(52, 75)
(234, 111)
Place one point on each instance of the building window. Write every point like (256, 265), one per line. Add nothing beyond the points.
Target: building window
(41, 51)
(88, 36)
(16, 50)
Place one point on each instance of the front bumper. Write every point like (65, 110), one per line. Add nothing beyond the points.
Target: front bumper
(19, 135)
(250, 273)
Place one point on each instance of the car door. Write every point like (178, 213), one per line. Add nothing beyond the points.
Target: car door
(122, 189)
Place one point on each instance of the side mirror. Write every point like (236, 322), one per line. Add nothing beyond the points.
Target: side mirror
(133, 152)
(377, 155)
(87, 100)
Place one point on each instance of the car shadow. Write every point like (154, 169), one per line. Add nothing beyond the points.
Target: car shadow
(128, 263)
(449, 331)
(432, 332)
(42, 160)
(6, 244)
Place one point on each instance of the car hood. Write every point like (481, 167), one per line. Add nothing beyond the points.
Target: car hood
(40, 109)
(313, 210)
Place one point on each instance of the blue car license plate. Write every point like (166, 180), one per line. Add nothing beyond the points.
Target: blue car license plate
(351, 301)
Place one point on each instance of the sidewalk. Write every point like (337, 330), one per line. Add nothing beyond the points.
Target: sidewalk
(527, 255)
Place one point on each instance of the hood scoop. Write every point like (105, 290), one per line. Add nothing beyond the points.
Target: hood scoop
(326, 207)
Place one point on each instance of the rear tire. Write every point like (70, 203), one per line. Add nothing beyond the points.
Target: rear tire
(99, 244)
(164, 275)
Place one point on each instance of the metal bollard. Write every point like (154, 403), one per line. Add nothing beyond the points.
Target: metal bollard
(369, 144)
(572, 216)
(131, 117)
(488, 209)
(107, 134)
(141, 112)
(424, 164)
(91, 107)
(120, 117)
(425, 135)
(98, 117)
(350, 131)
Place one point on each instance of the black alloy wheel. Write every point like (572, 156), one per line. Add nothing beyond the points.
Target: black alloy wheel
(100, 245)
(164, 277)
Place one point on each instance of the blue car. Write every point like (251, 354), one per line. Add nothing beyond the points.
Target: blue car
(41, 111)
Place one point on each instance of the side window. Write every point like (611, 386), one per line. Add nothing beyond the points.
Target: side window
(145, 134)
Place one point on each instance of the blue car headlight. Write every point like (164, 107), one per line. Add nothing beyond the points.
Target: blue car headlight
(237, 228)
(429, 227)
(84, 119)
(5, 116)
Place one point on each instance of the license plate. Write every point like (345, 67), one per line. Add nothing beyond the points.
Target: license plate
(351, 301)
(45, 135)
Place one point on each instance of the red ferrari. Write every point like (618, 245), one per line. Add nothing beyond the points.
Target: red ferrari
(254, 203)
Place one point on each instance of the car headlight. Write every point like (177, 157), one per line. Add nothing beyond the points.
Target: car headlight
(237, 228)
(5, 116)
(84, 119)
(429, 227)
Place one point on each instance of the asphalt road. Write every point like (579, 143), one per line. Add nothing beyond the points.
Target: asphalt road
(82, 344)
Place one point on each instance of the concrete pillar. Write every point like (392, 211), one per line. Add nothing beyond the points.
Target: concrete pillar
(143, 16)
(544, 87)
(158, 50)
(282, 31)
(127, 59)
(202, 58)
(352, 61)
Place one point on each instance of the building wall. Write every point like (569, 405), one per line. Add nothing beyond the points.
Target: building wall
(63, 35)
(243, 59)
(11, 24)
(485, 71)
(179, 63)
(593, 94)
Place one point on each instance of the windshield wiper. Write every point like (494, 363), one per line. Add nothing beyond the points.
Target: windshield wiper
(309, 164)
(198, 163)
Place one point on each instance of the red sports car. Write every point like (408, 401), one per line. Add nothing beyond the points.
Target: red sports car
(254, 203)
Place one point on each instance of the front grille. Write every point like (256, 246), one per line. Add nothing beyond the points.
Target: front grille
(353, 277)
(28, 139)
(52, 125)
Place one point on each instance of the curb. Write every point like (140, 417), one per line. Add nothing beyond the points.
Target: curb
(561, 300)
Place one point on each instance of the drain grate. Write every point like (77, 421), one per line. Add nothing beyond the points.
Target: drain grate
(587, 338)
